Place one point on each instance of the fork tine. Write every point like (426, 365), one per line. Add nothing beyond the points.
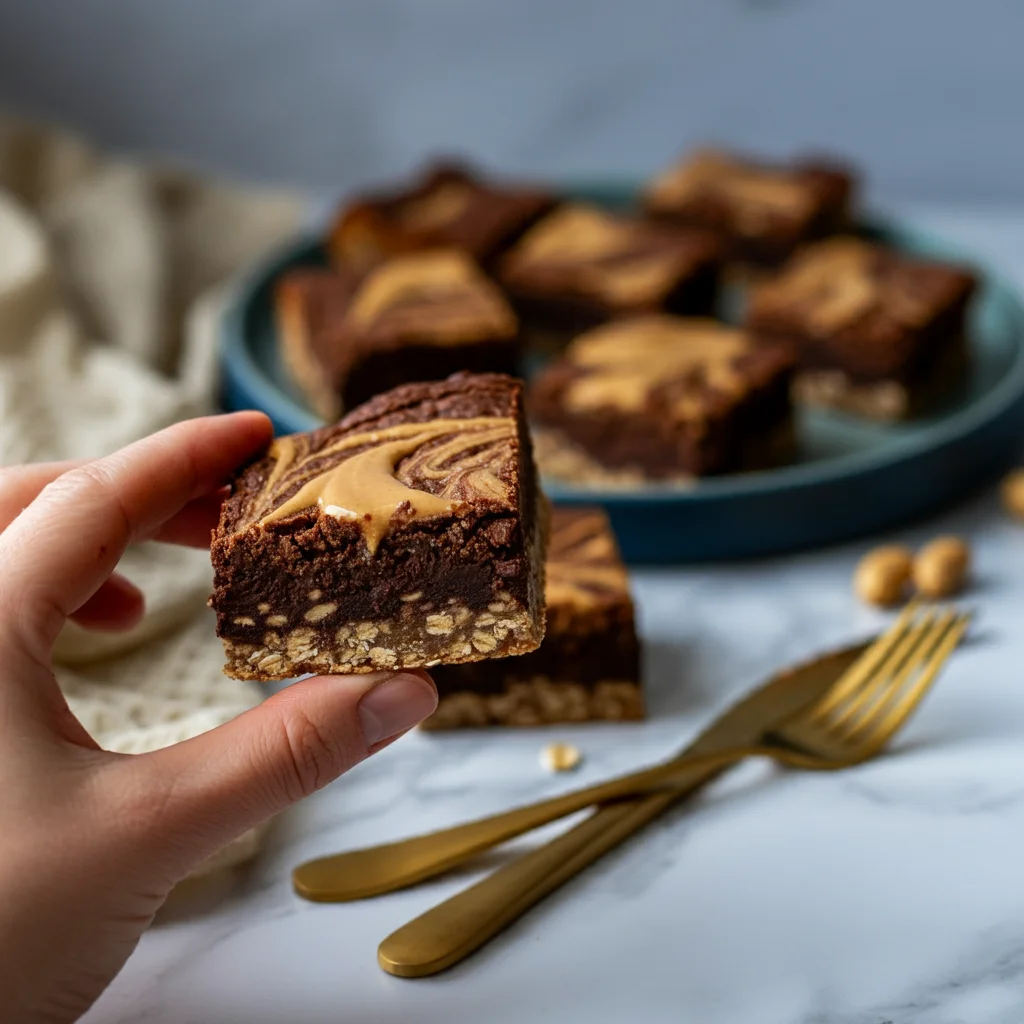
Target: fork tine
(897, 707)
(864, 667)
(893, 686)
(896, 715)
(889, 673)
(870, 731)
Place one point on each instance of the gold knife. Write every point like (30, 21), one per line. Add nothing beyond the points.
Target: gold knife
(453, 930)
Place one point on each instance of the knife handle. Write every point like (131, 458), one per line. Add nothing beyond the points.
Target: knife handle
(357, 874)
(459, 926)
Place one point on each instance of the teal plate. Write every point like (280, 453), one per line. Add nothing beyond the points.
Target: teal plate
(851, 478)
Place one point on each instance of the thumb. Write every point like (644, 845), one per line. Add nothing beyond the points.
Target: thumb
(209, 790)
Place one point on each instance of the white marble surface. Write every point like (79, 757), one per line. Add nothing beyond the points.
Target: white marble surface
(893, 892)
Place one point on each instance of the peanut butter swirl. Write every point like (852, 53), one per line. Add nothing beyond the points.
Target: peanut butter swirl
(373, 476)
(626, 359)
(614, 258)
(583, 564)
(837, 282)
(756, 194)
(439, 295)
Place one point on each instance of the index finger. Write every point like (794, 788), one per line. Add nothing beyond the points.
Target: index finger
(69, 539)
(21, 485)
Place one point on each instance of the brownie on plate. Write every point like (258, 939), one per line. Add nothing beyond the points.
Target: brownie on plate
(409, 534)
(345, 337)
(762, 211)
(879, 333)
(669, 397)
(587, 668)
(449, 206)
(581, 266)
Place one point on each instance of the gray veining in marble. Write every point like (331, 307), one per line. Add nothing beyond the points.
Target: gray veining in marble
(893, 892)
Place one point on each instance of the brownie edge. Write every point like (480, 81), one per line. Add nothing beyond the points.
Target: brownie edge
(587, 668)
(409, 534)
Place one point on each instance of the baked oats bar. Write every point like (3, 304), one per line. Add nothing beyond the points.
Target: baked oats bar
(410, 534)
(587, 668)
(581, 266)
(451, 205)
(879, 333)
(345, 336)
(762, 211)
(668, 397)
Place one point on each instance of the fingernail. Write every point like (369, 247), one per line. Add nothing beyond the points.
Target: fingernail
(395, 705)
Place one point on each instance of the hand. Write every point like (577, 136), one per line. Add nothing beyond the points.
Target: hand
(92, 842)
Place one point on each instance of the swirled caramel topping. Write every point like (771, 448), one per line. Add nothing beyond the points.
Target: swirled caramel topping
(406, 472)
(624, 360)
(834, 283)
(755, 193)
(587, 250)
(583, 562)
(439, 294)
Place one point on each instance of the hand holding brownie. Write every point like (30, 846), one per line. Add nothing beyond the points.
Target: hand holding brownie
(93, 841)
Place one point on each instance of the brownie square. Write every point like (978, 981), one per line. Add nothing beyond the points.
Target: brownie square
(449, 206)
(588, 666)
(762, 211)
(669, 397)
(409, 534)
(878, 332)
(345, 337)
(581, 266)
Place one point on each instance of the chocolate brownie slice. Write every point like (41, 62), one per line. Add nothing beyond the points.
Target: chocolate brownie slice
(581, 266)
(450, 206)
(878, 332)
(346, 337)
(587, 668)
(762, 211)
(409, 534)
(666, 397)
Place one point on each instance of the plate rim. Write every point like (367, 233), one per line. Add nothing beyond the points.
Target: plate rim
(237, 359)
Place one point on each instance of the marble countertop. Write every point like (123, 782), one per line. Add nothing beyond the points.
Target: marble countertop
(893, 892)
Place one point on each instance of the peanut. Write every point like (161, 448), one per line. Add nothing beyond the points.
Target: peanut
(941, 566)
(560, 757)
(1013, 493)
(882, 575)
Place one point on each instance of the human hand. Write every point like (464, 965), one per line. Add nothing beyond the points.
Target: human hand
(91, 842)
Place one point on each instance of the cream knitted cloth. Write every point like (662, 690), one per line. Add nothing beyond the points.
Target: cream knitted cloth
(111, 280)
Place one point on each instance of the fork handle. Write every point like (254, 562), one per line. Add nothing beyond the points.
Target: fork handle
(451, 931)
(358, 874)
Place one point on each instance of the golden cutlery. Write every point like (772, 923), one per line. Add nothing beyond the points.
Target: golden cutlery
(848, 722)
(358, 874)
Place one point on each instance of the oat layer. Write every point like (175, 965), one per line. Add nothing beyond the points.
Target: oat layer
(540, 701)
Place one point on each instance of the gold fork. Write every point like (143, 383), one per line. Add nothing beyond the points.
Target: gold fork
(863, 710)
(831, 736)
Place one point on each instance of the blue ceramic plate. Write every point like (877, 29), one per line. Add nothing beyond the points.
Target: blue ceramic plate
(851, 478)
